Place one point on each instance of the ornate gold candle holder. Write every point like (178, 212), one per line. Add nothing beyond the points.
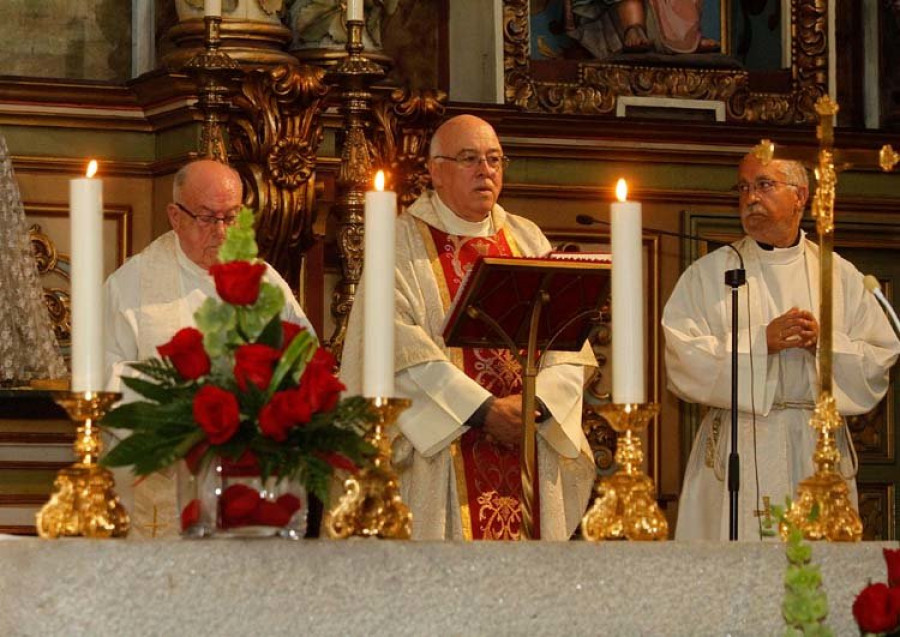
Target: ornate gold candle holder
(825, 491)
(83, 502)
(625, 507)
(371, 504)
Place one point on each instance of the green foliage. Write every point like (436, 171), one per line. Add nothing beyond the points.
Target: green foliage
(240, 240)
(805, 605)
(254, 319)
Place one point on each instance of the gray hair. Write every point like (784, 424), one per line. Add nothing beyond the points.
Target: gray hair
(793, 172)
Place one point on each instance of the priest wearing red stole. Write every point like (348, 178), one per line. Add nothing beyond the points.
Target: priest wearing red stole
(457, 448)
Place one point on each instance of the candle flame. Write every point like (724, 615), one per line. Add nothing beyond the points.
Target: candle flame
(379, 180)
(92, 168)
(622, 190)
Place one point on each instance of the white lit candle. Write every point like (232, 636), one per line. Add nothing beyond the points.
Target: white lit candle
(378, 283)
(627, 300)
(212, 8)
(355, 10)
(86, 236)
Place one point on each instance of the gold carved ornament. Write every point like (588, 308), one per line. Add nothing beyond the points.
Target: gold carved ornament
(599, 84)
(404, 122)
(275, 131)
(57, 299)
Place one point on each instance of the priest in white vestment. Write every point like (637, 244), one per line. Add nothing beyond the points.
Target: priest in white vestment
(777, 357)
(457, 447)
(156, 292)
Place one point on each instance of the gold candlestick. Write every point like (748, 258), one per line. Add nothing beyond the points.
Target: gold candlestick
(371, 504)
(626, 508)
(215, 73)
(84, 503)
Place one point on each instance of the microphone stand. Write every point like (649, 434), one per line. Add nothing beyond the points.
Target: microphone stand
(734, 279)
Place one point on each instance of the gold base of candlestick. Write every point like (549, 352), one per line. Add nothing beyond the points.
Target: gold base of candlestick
(825, 492)
(371, 504)
(626, 508)
(83, 502)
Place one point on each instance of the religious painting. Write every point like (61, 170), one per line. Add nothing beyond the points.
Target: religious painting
(764, 60)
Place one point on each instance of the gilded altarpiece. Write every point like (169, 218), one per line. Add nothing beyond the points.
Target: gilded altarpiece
(594, 86)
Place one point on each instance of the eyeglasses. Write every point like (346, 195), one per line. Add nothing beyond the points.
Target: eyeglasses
(468, 159)
(209, 220)
(762, 186)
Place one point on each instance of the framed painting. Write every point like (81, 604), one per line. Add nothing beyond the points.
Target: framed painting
(763, 60)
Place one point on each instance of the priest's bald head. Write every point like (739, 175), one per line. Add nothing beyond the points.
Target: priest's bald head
(772, 198)
(466, 164)
(206, 199)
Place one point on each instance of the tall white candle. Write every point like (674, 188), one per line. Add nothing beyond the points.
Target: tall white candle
(86, 235)
(355, 10)
(378, 283)
(212, 8)
(627, 300)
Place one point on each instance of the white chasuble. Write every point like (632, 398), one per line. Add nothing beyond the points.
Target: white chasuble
(444, 396)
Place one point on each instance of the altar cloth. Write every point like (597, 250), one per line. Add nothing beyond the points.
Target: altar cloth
(377, 587)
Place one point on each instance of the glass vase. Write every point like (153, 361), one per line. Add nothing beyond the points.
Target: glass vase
(227, 498)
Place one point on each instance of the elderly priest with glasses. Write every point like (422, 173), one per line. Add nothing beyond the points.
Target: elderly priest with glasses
(457, 447)
(777, 347)
(156, 292)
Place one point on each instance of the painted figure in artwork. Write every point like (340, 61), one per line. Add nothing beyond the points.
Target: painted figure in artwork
(606, 27)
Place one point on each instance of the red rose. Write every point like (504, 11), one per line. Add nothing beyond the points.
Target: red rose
(276, 417)
(338, 461)
(319, 387)
(246, 465)
(190, 515)
(239, 504)
(217, 413)
(289, 502)
(288, 332)
(877, 608)
(237, 282)
(892, 557)
(186, 352)
(254, 363)
(272, 514)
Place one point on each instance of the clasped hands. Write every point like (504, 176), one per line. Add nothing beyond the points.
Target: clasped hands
(795, 328)
(503, 422)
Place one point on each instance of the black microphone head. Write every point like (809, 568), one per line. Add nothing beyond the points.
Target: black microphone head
(586, 220)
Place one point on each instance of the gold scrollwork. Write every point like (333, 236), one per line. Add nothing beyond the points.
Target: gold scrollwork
(404, 123)
(275, 134)
(600, 84)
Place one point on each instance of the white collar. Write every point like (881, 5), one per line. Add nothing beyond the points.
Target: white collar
(456, 225)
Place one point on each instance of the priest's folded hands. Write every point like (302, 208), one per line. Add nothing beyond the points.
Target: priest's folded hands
(795, 328)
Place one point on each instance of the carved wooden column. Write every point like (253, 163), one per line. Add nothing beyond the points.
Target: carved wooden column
(275, 132)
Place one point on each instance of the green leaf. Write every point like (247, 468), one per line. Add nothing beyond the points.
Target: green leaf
(240, 240)
(253, 319)
(297, 354)
(218, 322)
(271, 333)
(149, 389)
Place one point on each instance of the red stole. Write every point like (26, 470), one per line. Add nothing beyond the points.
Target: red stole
(489, 479)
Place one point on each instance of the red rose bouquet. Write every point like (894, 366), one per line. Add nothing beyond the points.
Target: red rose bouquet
(877, 607)
(247, 394)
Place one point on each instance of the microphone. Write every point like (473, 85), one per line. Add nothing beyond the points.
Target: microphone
(587, 220)
(874, 287)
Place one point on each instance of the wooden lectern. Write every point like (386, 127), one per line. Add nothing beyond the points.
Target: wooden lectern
(529, 306)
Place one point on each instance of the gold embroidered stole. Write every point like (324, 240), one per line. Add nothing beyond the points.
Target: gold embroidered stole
(488, 475)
